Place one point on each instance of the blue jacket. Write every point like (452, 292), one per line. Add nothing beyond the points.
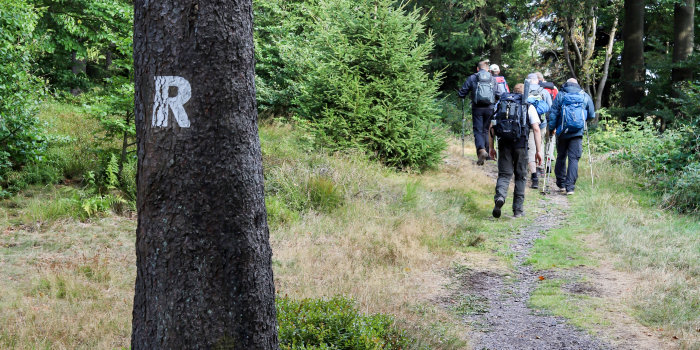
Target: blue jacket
(470, 85)
(555, 113)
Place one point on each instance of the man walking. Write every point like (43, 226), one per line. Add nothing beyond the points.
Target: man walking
(481, 86)
(537, 92)
(511, 125)
(567, 119)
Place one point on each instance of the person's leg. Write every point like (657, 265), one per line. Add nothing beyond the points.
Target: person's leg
(560, 167)
(505, 172)
(478, 128)
(520, 165)
(531, 164)
(487, 123)
(574, 151)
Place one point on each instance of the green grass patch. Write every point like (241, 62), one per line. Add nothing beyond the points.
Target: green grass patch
(561, 248)
(580, 310)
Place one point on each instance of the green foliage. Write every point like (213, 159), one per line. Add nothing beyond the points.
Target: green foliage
(665, 161)
(85, 40)
(21, 134)
(281, 42)
(467, 31)
(334, 324)
(367, 88)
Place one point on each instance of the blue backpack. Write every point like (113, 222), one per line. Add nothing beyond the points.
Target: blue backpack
(540, 105)
(573, 113)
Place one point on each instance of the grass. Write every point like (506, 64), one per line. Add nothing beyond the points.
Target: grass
(581, 310)
(658, 246)
(341, 225)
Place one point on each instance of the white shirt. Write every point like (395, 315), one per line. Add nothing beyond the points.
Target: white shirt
(533, 116)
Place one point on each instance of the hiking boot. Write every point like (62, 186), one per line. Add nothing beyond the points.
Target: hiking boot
(569, 193)
(518, 214)
(497, 208)
(535, 181)
(482, 154)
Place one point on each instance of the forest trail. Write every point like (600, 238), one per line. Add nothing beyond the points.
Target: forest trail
(506, 321)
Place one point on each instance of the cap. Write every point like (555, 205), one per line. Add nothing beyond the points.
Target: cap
(494, 67)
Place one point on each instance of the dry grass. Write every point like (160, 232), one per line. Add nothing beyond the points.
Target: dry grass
(69, 284)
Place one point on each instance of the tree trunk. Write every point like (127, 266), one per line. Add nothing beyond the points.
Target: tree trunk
(633, 70)
(683, 37)
(204, 275)
(606, 65)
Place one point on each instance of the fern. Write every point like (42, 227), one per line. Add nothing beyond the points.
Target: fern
(112, 172)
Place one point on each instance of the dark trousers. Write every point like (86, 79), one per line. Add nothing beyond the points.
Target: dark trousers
(481, 118)
(572, 149)
(512, 160)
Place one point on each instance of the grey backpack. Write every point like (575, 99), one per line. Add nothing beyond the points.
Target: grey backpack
(484, 93)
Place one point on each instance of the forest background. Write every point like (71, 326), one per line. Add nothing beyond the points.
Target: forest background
(370, 76)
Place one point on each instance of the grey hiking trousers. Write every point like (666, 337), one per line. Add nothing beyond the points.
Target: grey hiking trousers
(511, 161)
(572, 149)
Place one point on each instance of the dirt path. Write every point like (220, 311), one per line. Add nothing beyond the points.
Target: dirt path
(509, 323)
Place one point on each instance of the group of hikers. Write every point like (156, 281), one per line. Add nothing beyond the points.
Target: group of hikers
(517, 120)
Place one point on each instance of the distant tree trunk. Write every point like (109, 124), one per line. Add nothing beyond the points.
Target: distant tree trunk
(204, 275)
(606, 65)
(633, 70)
(683, 38)
(77, 67)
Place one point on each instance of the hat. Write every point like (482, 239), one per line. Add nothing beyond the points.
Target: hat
(532, 76)
(494, 67)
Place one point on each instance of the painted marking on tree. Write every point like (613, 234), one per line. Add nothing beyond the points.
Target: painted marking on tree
(162, 103)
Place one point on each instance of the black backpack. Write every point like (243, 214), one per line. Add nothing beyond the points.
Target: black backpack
(484, 93)
(510, 117)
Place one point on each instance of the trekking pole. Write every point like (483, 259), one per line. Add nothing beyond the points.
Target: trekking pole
(463, 122)
(547, 164)
(590, 159)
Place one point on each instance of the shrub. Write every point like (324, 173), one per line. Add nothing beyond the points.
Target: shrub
(334, 324)
(367, 88)
(21, 134)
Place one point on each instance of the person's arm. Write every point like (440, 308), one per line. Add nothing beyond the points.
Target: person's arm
(554, 113)
(466, 87)
(591, 108)
(538, 142)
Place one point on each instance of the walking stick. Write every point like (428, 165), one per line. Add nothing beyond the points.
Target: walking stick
(547, 164)
(463, 122)
(590, 159)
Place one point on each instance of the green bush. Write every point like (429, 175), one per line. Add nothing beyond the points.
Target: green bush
(668, 161)
(334, 324)
(366, 86)
(21, 135)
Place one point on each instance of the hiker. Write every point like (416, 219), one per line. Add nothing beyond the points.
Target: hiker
(567, 120)
(549, 86)
(511, 125)
(543, 102)
(482, 88)
(552, 89)
(501, 84)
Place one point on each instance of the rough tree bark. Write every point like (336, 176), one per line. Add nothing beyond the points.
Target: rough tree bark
(204, 277)
(683, 38)
(633, 70)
